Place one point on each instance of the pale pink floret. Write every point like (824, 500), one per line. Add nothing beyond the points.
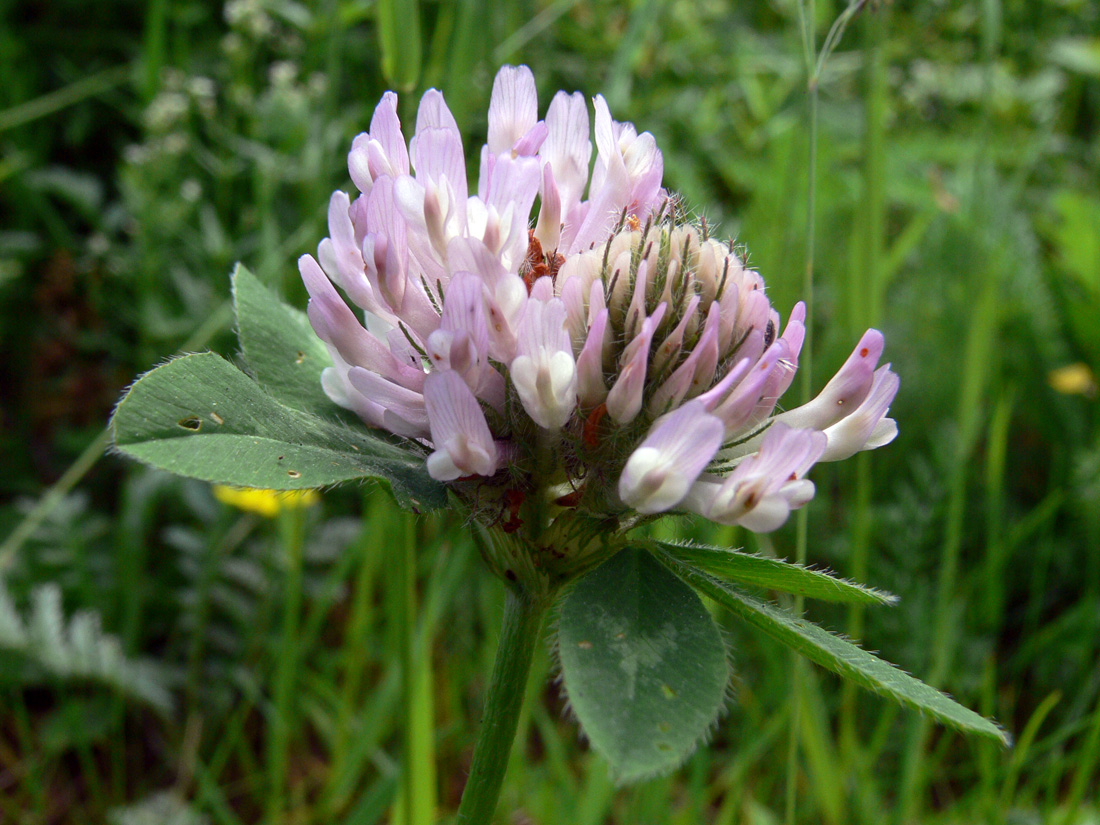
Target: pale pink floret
(341, 256)
(513, 108)
(386, 254)
(867, 427)
(501, 221)
(463, 444)
(548, 228)
(504, 293)
(433, 201)
(795, 335)
(404, 414)
(737, 407)
(591, 387)
(462, 340)
(620, 145)
(703, 359)
(624, 401)
(567, 149)
(845, 390)
(763, 489)
(433, 113)
(514, 128)
(337, 326)
(627, 176)
(544, 371)
(661, 470)
(382, 151)
(670, 348)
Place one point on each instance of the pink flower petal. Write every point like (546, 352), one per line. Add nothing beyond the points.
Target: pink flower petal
(513, 107)
(661, 470)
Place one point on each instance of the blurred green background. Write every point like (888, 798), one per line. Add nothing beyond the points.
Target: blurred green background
(166, 656)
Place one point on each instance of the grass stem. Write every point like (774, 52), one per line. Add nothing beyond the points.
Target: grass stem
(808, 16)
(281, 724)
(418, 770)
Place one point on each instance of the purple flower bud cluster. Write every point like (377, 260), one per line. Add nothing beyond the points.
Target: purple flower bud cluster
(600, 351)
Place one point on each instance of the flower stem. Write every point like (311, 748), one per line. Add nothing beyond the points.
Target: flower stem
(523, 614)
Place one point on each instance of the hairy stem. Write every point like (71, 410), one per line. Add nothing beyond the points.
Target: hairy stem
(523, 614)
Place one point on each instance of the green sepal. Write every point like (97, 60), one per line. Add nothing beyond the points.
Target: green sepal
(644, 664)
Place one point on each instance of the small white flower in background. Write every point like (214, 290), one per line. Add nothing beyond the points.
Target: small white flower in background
(599, 351)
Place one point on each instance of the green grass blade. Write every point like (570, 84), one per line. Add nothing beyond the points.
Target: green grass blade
(418, 768)
(1084, 772)
(53, 102)
(399, 33)
(1023, 749)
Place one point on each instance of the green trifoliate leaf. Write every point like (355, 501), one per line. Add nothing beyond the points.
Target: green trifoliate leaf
(839, 655)
(282, 350)
(644, 664)
(200, 416)
(773, 574)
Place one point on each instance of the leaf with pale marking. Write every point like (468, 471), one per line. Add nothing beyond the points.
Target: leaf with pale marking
(280, 347)
(643, 663)
(839, 655)
(200, 416)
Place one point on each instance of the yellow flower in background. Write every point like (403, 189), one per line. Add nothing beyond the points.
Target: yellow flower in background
(1073, 379)
(266, 503)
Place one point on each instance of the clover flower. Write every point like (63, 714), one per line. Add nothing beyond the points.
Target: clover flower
(566, 355)
(599, 351)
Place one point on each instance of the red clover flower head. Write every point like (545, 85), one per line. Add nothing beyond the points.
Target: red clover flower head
(600, 355)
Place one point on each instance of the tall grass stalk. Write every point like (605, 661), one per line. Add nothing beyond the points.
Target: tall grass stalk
(865, 296)
(418, 768)
(283, 712)
(1023, 749)
(53, 102)
(997, 546)
(978, 351)
(978, 354)
(808, 20)
(1084, 773)
(815, 61)
(354, 654)
(399, 38)
(154, 47)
